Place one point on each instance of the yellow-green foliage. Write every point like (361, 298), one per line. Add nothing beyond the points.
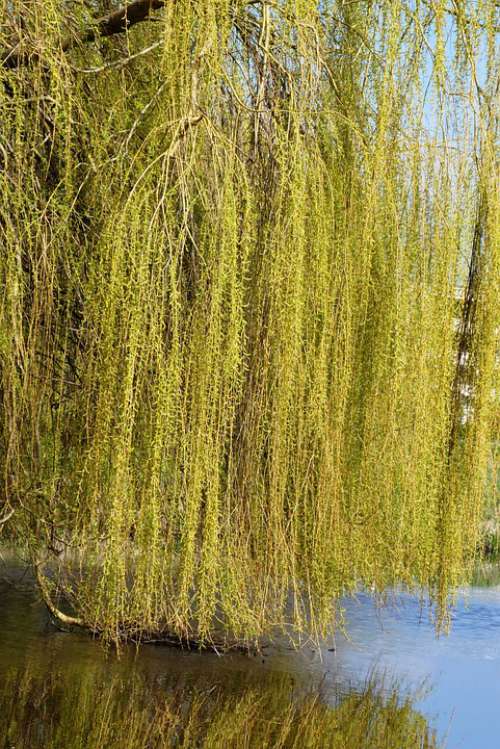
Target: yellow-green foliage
(249, 295)
(62, 709)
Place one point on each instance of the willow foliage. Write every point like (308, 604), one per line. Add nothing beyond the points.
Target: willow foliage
(249, 302)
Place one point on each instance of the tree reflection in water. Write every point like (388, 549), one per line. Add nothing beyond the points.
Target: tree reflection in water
(88, 710)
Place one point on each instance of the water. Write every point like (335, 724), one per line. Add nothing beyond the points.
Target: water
(460, 671)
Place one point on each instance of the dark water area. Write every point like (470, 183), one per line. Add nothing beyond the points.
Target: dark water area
(322, 697)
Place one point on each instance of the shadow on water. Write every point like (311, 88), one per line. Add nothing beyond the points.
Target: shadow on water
(60, 690)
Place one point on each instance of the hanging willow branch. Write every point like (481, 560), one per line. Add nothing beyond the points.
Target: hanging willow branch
(117, 22)
(6, 517)
(233, 369)
(145, 638)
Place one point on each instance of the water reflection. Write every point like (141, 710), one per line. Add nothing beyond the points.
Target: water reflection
(62, 690)
(89, 709)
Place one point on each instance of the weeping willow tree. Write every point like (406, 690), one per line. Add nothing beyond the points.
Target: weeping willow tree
(250, 285)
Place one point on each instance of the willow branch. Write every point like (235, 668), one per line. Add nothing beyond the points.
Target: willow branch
(71, 621)
(6, 517)
(117, 22)
(119, 63)
(161, 639)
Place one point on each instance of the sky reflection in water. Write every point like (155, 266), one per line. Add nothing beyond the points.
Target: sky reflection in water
(462, 668)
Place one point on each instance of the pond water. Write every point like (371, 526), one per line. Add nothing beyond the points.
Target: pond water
(461, 698)
(461, 669)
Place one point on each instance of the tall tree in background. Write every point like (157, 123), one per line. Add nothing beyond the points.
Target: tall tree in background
(249, 296)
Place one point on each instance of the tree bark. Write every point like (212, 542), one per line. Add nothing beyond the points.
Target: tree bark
(70, 621)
